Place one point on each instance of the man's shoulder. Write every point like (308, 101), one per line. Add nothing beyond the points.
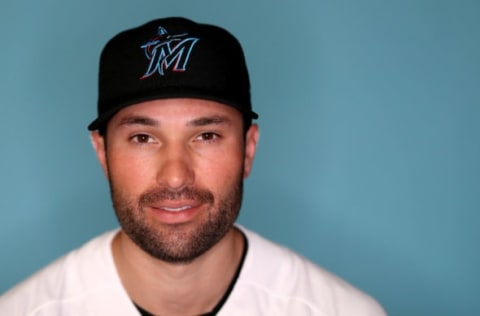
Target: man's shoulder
(296, 284)
(68, 277)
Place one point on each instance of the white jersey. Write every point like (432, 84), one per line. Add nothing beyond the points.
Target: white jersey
(273, 281)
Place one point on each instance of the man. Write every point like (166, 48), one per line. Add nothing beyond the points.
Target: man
(175, 138)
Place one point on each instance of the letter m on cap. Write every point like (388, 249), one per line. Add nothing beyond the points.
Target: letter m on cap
(172, 54)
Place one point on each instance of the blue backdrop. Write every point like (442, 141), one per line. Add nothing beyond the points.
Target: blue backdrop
(369, 155)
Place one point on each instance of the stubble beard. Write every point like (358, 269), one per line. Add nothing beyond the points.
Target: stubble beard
(179, 243)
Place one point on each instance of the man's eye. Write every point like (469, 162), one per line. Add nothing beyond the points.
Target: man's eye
(142, 138)
(209, 136)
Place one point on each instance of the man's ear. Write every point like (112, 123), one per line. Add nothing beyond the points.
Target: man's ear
(251, 141)
(98, 143)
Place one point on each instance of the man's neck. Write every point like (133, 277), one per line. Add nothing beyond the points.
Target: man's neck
(178, 289)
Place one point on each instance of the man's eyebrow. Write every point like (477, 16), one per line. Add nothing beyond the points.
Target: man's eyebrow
(138, 120)
(210, 120)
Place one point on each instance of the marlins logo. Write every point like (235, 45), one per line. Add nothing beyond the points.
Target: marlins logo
(168, 52)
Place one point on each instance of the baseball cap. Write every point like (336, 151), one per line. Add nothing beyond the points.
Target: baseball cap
(172, 58)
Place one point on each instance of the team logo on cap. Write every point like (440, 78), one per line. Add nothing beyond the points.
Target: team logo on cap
(166, 52)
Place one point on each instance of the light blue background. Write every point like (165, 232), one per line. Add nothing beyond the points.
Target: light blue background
(369, 155)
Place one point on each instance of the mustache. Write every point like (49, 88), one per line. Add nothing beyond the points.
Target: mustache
(165, 194)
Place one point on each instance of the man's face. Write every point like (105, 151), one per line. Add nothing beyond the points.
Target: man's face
(176, 170)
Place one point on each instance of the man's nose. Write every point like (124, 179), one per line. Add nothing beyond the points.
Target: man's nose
(175, 167)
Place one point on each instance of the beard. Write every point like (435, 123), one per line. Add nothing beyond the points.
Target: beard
(177, 243)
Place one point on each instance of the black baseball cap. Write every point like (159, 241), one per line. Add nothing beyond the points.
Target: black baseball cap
(172, 58)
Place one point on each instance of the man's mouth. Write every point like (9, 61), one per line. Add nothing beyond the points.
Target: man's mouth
(175, 209)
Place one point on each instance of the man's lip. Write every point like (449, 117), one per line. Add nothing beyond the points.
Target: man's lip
(173, 212)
